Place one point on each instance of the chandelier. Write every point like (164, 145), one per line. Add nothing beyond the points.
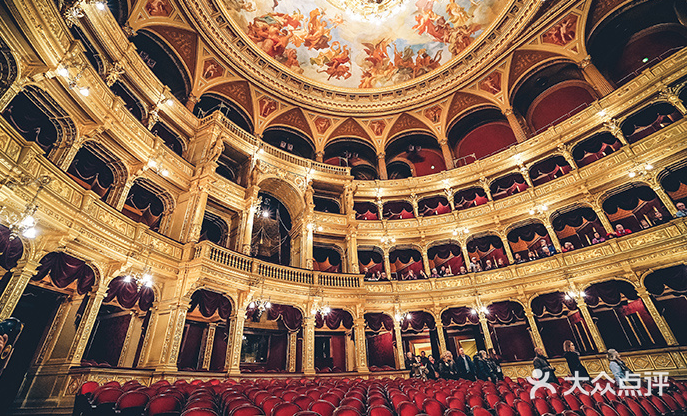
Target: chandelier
(402, 316)
(25, 224)
(575, 294)
(369, 10)
(323, 310)
(144, 278)
(261, 304)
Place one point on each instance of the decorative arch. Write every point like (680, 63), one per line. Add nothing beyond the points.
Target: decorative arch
(119, 168)
(462, 102)
(420, 150)
(286, 192)
(525, 61)
(354, 152)
(673, 180)
(219, 100)
(214, 229)
(295, 119)
(632, 204)
(595, 147)
(406, 123)
(479, 132)
(239, 92)
(328, 258)
(648, 120)
(347, 128)
(289, 140)
(578, 224)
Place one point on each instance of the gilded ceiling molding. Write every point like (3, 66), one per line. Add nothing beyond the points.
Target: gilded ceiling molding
(293, 118)
(349, 127)
(238, 92)
(405, 123)
(462, 101)
(183, 42)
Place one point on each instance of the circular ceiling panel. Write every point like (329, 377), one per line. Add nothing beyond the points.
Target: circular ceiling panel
(356, 44)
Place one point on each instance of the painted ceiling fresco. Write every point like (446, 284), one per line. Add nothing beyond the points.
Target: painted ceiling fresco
(342, 43)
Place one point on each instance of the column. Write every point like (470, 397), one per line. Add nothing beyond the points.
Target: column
(598, 81)
(466, 255)
(251, 199)
(565, 151)
(292, 352)
(133, 321)
(12, 91)
(518, 131)
(670, 94)
(534, 329)
(83, 331)
(441, 337)
(309, 345)
(352, 248)
(197, 201)
(413, 202)
(658, 318)
(446, 151)
(381, 163)
(507, 250)
(526, 175)
(552, 234)
(15, 287)
(209, 343)
(319, 156)
(233, 362)
(191, 102)
(123, 194)
(488, 342)
(593, 329)
(173, 335)
(485, 185)
(65, 155)
(360, 345)
(663, 196)
(425, 261)
(603, 218)
(613, 127)
(400, 356)
(387, 263)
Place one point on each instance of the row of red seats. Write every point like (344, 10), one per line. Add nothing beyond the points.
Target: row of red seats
(382, 397)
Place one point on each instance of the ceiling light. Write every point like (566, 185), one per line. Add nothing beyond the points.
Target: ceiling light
(164, 172)
(602, 113)
(645, 60)
(169, 102)
(85, 91)
(432, 167)
(319, 228)
(265, 214)
(30, 233)
(63, 72)
(100, 5)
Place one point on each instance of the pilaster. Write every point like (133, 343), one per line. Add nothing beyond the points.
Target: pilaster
(236, 341)
(598, 81)
(83, 331)
(658, 318)
(360, 345)
(534, 329)
(399, 345)
(440, 336)
(518, 131)
(446, 152)
(591, 325)
(381, 163)
(15, 287)
(292, 352)
(488, 342)
(309, 345)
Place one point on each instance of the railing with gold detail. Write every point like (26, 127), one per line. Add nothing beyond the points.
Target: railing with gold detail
(338, 280)
(289, 274)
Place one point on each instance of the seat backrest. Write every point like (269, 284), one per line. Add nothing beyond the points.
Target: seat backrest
(132, 399)
(199, 412)
(407, 409)
(269, 402)
(345, 411)
(541, 405)
(573, 402)
(502, 409)
(324, 408)
(433, 407)
(648, 407)
(285, 409)
(331, 398)
(88, 387)
(107, 395)
(480, 411)
(307, 413)
(163, 403)
(664, 403)
(454, 412)
(524, 408)
(379, 411)
(354, 402)
(245, 410)
(607, 410)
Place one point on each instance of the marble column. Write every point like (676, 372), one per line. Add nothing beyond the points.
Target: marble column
(446, 152)
(591, 325)
(381, 163)
(247, 226)
(198, 199)
(21, 274)
(603, 219)
(360, 345)
(83, 331)
(658, 318)
(663, 196)
(518, 131)
(352, 248)
(598, 81)
(387, 263)
(534, 329)
(507, 250)
(309, 345)
(552, 234)
(425, 262)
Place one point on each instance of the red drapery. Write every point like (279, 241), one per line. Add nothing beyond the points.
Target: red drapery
(334, 319)
(209, 303)
(65, 269)
(127, 294)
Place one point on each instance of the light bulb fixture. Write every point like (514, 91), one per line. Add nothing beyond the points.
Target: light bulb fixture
(323, 310)
(574, 294)
(25, 224)
(320, 228)
(169, 102)
(641, 171)
(85, 91)
(156, 166)
(143, 278)
(464, 231)
(402, 316)
(539, 210)
(386, 239)
(260, 304)
(62, 71)
(100, 5)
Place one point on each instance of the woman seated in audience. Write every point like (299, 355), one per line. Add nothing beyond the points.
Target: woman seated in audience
(597, 238)
(435, 274)
(500, 263)
(568, 246)
(449, 272)
(422, 274)
(463, 270)
(531, 255)
(442, 271)
(518, 258)
(410, 275)
(473, 264)
(659, 219)
(619, 231)
(487, 265)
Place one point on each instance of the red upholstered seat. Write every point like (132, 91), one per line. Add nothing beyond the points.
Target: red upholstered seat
(542, 406)
(503, 409)
(573, 402)
(200, 404)
(418, 398)
(268, 404)
(331, 398)
(455, 403)
(162, 404)
(649, 408)
(285, 409)
(246, 410)
(379, 411)
(88, 387)
(377, 401)
(131, 402)
(353, 402)
(480, 411)
(407, 409)
(433, 407)
(322, 407)
(260, 396)
(454, 412)
(476, 401)
(557, 404)
(345, 411)
(199, 412)
(667, 400)
(307, 413)
(442, 397)
(524, 408)
(589, 411)
(621, 409)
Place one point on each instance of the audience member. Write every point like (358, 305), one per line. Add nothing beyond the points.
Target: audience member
(435, 274)
(422, 274)
(597, 238)
(495, 361)
(573, 359)
(383, 276)
(473, 264)
(541, 362)
(550, 249)
(464, 366)
(432, 365)
(619, 231)
(545, 252)
(518, 258)
(442, 271)
(463, 270)
(659, 219)
(643, 224)
(482, 369)
(487, 265)
(500, 263)
(410, 275)
(618, 368)
(531, 255)
(449, 272)
(447, 367)
(681, 210)
(568, 246)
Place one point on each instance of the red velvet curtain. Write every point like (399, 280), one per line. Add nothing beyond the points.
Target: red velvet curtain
(446, 255)
(433, 206)
(365, 211)
(673, 278)
(470, 197)
(209, 302)
(508, 185)
(595, 148)
(649, 120)
(334, 319)
(417, 321)
(505, 312)
(290, 316)
(552, 303)
(127, 294)
(398, 210)
(611, 293)
(65, 269)
(549, 169)
(460, 316)
(380, 351)
(378, 320)
(10, 250)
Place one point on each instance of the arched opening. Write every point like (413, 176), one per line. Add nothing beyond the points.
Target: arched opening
(381, 341)
(623, 320)
(90, 51)
(434, 205)
(326, 259)
(271, 239)
(211, 102)
(354, 153)
(131, 102)
(558, 319)
(38, 118)
(332, 344)
(637, 36)
(552, 94)
(508, 185)
(266, 338)
(205, 332)
(233, 166)
(462, 330)
(529, 239)
(446, 260)
(648, 120)
(398, 210)
(144, 204)
(420, 151)
(327, 205)
(289, 140)
(214, 229)
(479, 134)
(419, 334)
(89, 170)
(486, 252)
(578, 227)
(549, 169)
(123, 318)
(164, 63)
(635, 208)
(594, 148)
(470, 197)
(119, 10)
(674, 182)
(509, 331)
(371, 263)
(668, 289)
(406, 264)
(172, 140)
(366, 211)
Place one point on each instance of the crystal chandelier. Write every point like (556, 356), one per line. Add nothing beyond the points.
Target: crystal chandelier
(25, 224)
(144, 278)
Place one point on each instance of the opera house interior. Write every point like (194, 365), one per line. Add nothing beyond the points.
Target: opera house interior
(284, 207)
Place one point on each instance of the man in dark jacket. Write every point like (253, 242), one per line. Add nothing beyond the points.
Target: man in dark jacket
(465, 366)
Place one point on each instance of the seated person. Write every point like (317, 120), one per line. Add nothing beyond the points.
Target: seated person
(383, 276)
(545, 252)
(478, 267)
(551, 249)
(681, 210)
(500, 263)
(435, 274)
(619, 231)
(532, 256)
(473, 264)
(659, 219)
(568, 246)
(449, 272)
(597, 238)
(644, 225)
(518, 258)
(487, 265)
(422, 275)
(463, 270)
(410, 275)
(442, 272)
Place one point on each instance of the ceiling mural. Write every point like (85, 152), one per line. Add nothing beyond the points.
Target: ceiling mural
(364, 43)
